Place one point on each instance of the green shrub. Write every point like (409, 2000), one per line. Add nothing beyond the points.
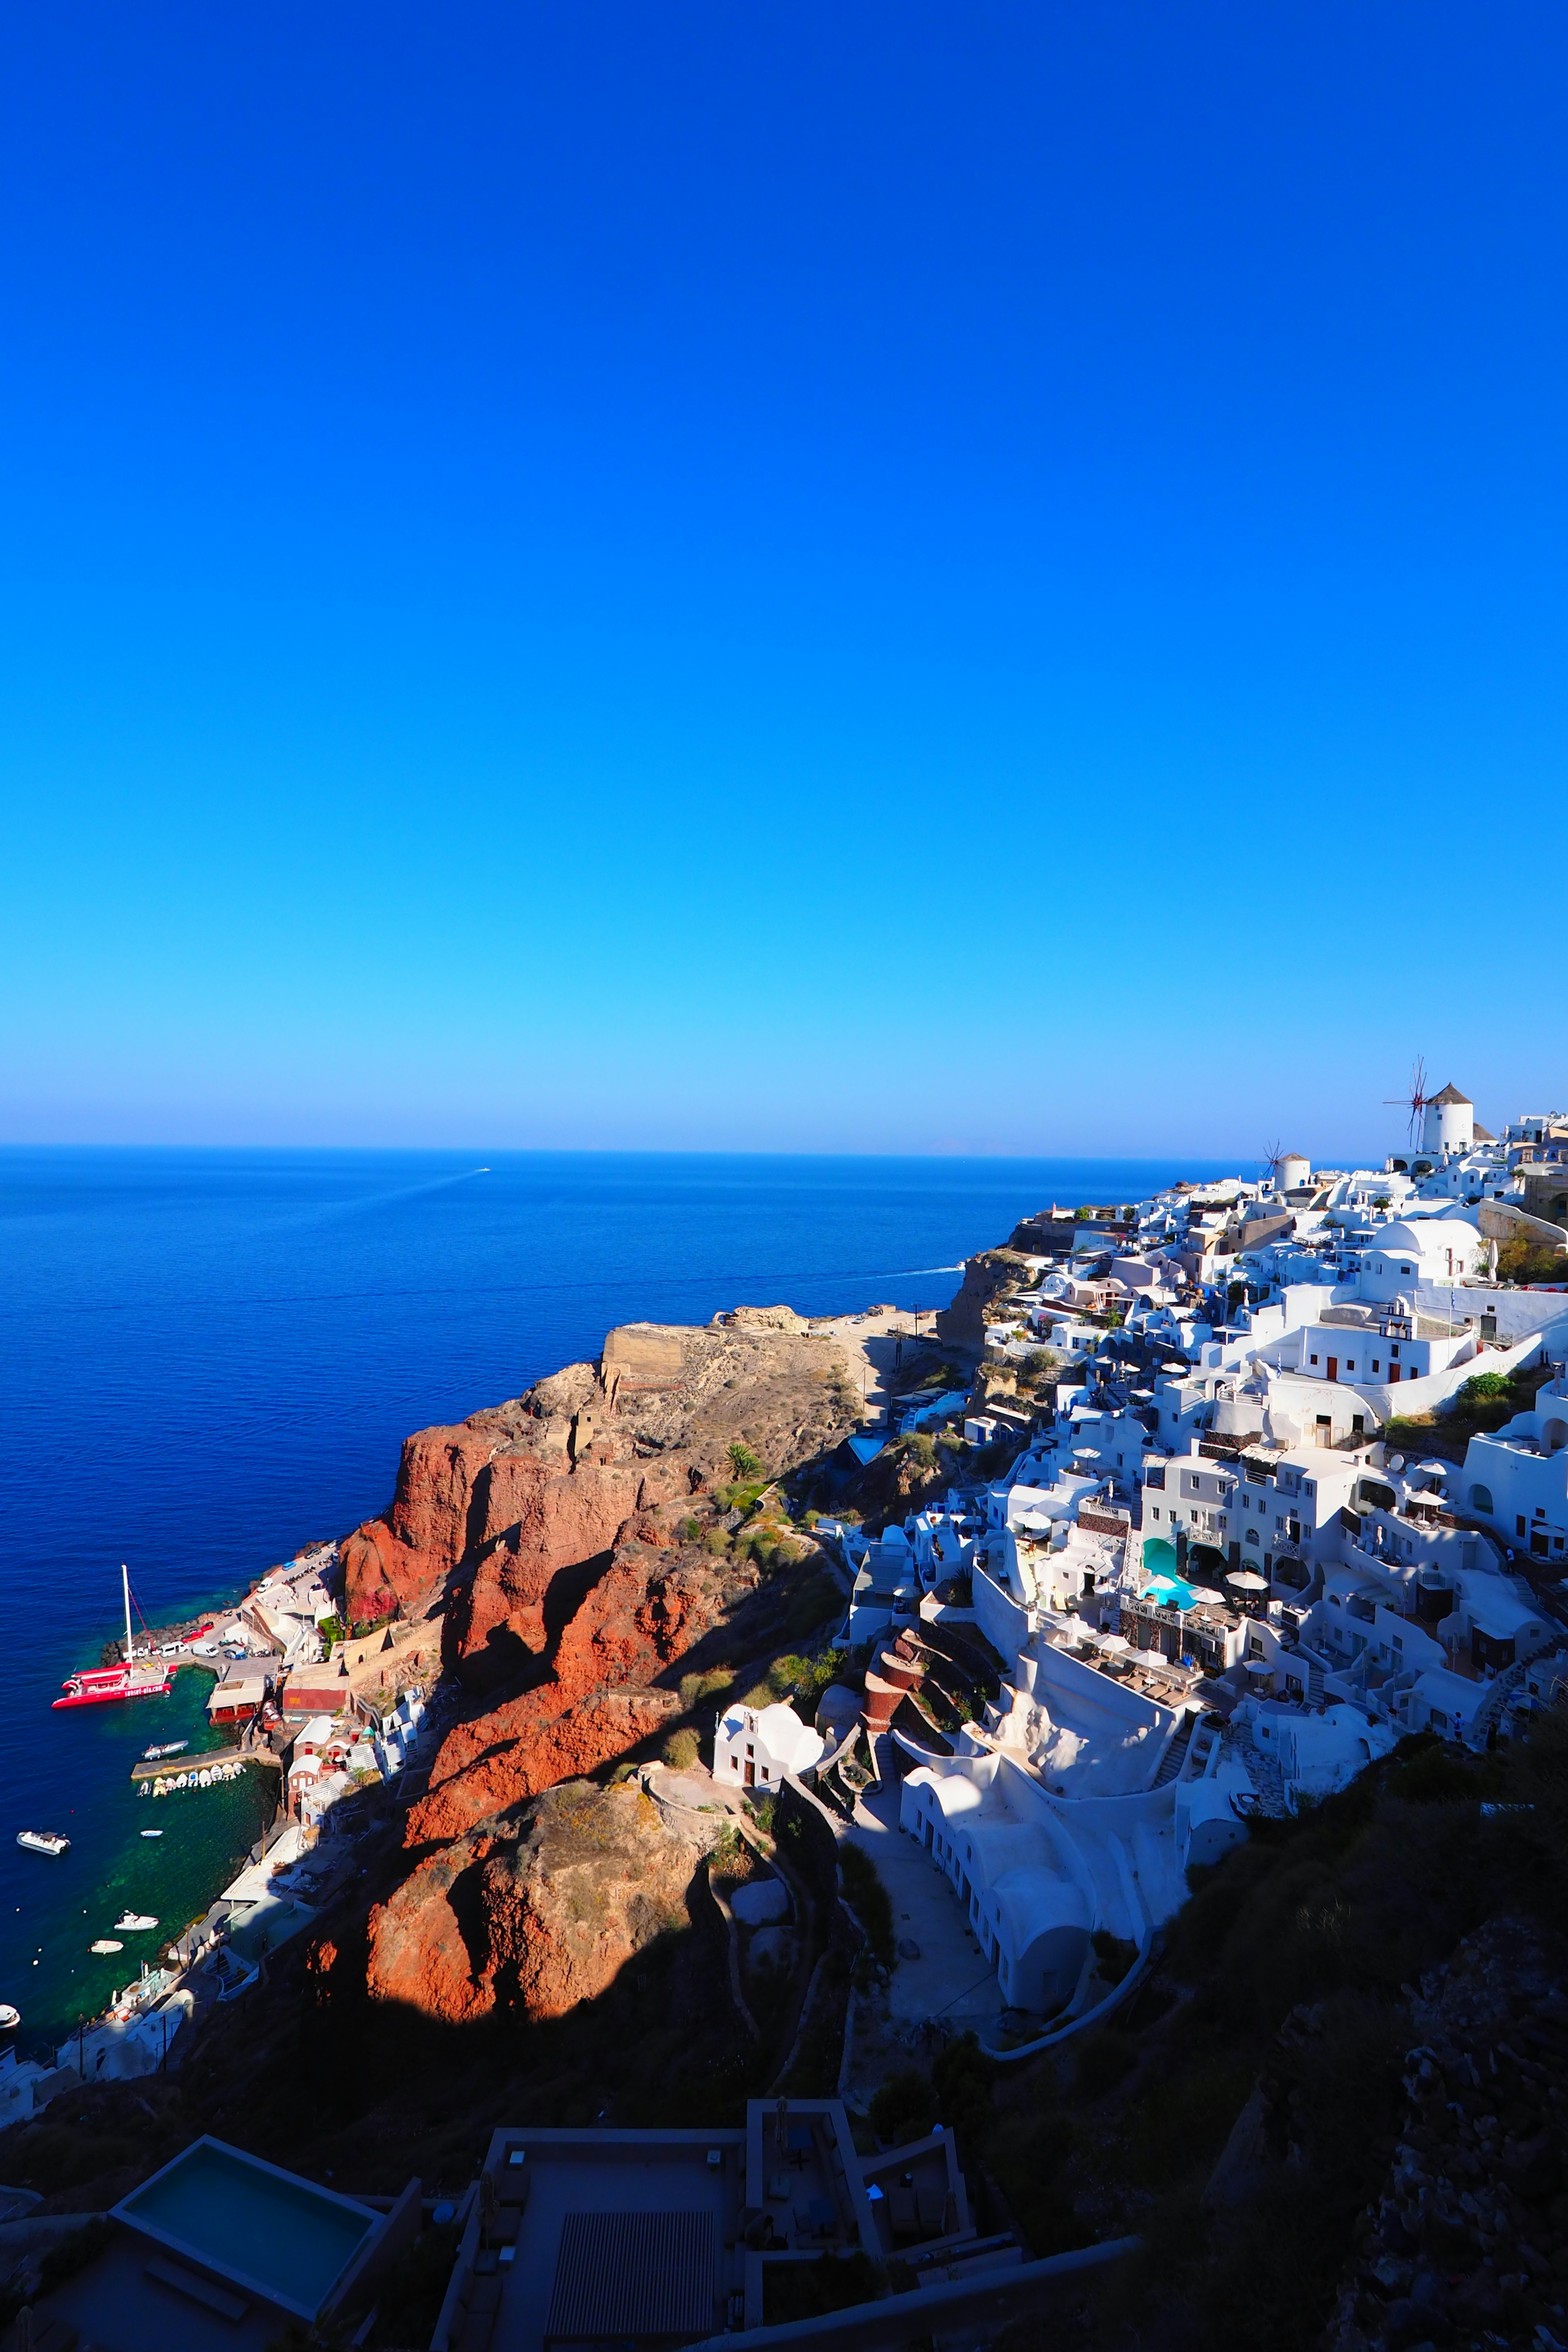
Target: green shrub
(1524, 1259)
(743, 1462)
(1485, 1387)
(742, 1498)
(695, 1688)
(870, 1901)
(682, 1748)
(690, 1530)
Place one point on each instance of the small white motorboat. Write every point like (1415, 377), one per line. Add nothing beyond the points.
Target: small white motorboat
(9, 2017)
(170, 1747)
(151, 1832)
(106, 1944)
(135, 1921)
(43, 1842)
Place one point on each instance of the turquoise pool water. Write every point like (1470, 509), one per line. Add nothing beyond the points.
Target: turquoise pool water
(279, 2236)
(1169, 1592)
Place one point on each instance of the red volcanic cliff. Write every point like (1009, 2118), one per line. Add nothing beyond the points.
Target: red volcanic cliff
(550, 1534)
(487, 1515)
(595, 1705)
(566, 1897)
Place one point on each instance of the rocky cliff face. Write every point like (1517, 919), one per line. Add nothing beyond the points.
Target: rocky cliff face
(599, 1700)
(537, 1912)
(985, 1277)
(491, 1512)
(555, 1533)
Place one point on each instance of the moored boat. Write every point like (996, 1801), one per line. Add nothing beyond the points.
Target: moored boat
(170, 1747)
(135, 1921)
(44, 1842)
(134, 1678)
(106, 1944)
(9, 2017)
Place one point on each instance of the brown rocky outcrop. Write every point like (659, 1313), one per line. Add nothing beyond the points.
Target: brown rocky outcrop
(640, 1617)
(381, 1578)
(500, 1505)
(986, 1276)
(551, 1531)
(538, 1913)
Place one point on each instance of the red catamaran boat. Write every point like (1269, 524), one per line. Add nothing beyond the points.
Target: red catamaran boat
(137, 1678)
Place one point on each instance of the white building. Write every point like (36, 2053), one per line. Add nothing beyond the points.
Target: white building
(1517, 1479)
(757, 1747)
(1408, 1250)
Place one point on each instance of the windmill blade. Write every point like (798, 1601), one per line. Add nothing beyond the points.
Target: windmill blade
(1415, 1101)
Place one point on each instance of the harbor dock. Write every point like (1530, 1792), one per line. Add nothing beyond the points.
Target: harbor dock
(169, 1768)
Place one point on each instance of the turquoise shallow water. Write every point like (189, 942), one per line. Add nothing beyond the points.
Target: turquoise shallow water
(207, 1358)
(61, 1907)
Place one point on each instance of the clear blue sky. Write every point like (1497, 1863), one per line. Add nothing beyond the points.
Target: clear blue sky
(881, 577)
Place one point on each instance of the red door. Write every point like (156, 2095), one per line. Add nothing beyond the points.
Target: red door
(1334, 1367)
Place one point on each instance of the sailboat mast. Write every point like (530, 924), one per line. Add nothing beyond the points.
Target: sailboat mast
(125, 1587)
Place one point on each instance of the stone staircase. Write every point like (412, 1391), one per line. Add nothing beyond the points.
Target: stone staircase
(1176, 1752)
(1489, 1712)
(1263, 1769)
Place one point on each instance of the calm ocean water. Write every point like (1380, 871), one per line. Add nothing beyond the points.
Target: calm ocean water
(208, 1358)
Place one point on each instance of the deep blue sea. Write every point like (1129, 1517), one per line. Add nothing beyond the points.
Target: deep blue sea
(208, 1358)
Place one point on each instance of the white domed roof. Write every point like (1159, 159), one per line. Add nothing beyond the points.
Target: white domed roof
(793, 1743)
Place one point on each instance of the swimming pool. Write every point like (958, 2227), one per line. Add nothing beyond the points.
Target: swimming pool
(266, 2231)
(1170, 1592)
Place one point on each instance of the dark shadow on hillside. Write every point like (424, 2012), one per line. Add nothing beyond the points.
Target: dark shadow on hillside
(311, 2072)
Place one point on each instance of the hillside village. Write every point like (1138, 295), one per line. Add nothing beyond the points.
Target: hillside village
(1288, 1481)
(1191, 1514)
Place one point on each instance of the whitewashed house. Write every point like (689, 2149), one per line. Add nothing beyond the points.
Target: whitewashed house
(1517, 1478)
(757, 1747)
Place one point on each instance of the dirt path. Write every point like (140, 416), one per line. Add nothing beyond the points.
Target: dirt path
(879, 1363)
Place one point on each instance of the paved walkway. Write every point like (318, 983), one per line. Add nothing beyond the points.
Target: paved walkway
(952, 1981)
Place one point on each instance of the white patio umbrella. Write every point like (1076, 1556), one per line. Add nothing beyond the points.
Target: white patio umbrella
(1244, 1581)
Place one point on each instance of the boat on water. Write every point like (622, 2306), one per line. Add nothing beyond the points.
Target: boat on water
(135, 1678)
(135, 1921)
(106, 1944)
(151, 1832)
(9, 2017)
(43, 1842)
(170, 1747)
